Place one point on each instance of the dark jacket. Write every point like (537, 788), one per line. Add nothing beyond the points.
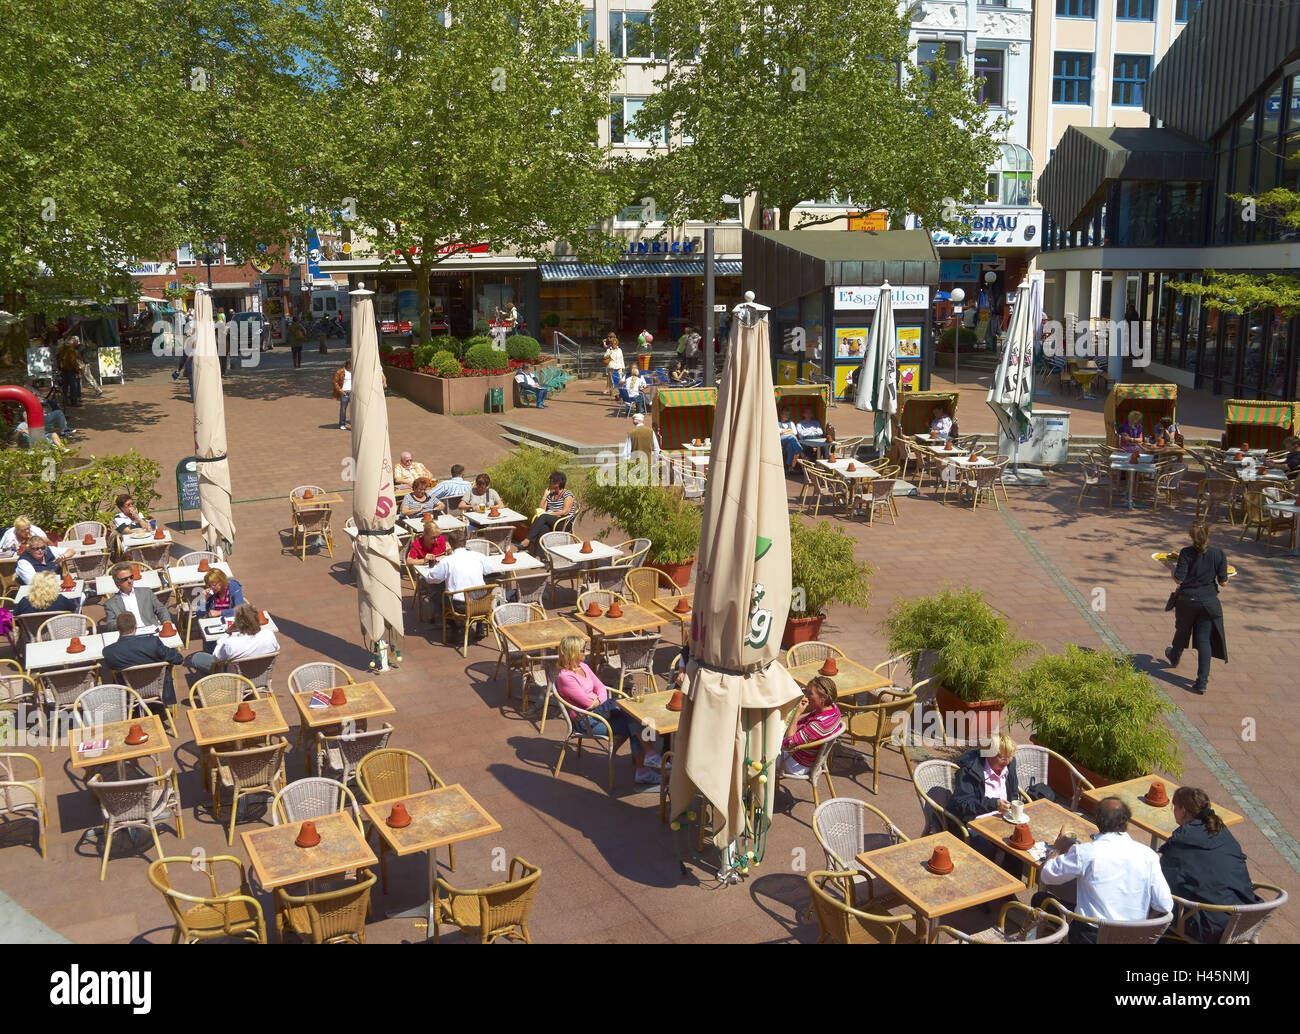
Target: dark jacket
(61, 602)
(1208, 869)
(1198, 577)
(968, 800)
(130, 650)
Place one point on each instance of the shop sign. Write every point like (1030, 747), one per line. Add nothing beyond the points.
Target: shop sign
(688, 247)
(865, 297)
(152, 269)
(445, 249)
(995, 227)
(869, 220)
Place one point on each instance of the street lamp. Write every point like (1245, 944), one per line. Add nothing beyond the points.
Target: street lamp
(958, 296)
(989, 278)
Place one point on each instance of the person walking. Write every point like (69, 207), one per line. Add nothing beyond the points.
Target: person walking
(69, 363)
(613, 362)
(297, 334)
(1198, 615)
(343, 392)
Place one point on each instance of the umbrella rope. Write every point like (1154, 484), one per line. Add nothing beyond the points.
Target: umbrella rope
(208, 459)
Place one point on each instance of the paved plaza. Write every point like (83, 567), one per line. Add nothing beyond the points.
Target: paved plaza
(1063, 574)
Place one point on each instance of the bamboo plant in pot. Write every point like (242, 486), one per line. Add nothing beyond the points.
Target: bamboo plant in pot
(651, 512)
(974, 651)
(823, 571)
(1100, 712)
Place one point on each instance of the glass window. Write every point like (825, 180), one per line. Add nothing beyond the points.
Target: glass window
(947, 51)
(622, 111)
(586, 46)
(1135, 10)
(1275, 356)
(1139, 214)
(1016, 187)
(1206, 367)
(1293, 103)
(629, 34)
(1233, 330)
(990, 71)
(1272, 120)
(185, 255)
(1076, 8)
(1129, 83)
(1183, 213)
(1071, 77)
(1255, 326)
(1184, 9)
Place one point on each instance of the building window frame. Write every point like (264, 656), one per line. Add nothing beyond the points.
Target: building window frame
(1184, 9)
(1135, 10)
(992, 73)
(946, 47)
(186, 256)
(1072, 77)
(619, 38)
(1076, 8)
(620, 118)
(1128, 83)
(587, 46)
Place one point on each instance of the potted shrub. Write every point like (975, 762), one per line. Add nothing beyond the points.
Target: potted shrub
(1096, 709)
(968, 339)
(522, 475)
(973, 649)
(652, 512)
(823, 571)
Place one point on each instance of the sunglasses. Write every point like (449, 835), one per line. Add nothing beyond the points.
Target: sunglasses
(126, 578)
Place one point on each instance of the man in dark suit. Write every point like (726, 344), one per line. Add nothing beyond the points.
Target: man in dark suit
(141, 604)
(131, 649)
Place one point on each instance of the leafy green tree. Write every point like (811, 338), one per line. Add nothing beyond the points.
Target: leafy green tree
(435, 136)
(802, 100)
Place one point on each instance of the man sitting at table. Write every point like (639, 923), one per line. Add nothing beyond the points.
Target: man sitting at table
(455, 486)
(1131, 433)
(37, 556)
(459, 570)
(420, 501)
(986, 781)
(941, 423)
(132, 649)
(141, 603)
(408, 469)
(1115, 876)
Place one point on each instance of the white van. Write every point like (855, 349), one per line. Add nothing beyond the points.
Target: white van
(329, 303)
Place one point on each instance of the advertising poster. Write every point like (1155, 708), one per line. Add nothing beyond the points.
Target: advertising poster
(850, 343)
(787, 371)
(273, 308)
(110, 364)
(40, 363)
(842, 371)
(909, 376)
(909, 343)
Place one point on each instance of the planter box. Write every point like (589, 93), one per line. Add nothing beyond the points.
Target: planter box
(801, 630)
(450, 394)
(967, 720)
(679, 573)
(1058, 777)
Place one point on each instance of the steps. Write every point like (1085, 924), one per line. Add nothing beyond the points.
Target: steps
(582, 454)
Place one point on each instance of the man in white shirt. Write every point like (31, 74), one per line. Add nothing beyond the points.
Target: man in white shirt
(459, 570)
(812, 435)
(141, 603)
(635, 385)
(16, 537)
(1116, 877)
(940, 423)
(408, 469)
(527, 382)
(454, 486)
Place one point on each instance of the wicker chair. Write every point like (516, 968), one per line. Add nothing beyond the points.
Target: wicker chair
(221, 689)
(500, 535)
(326, 917)
(313, 798)
(813, 650)
(16, 686)
(385, 775)
(29, 623)
(60, 688)
(1214, 493)
(490, 912)
(309, 522)
(979, 484)
(64, 626)
(253, 770)
(1115, 931)
(86, 566)
(318, 675)
(1244, 922)
(484, 546)
(155, 554)
(842, 922)
(1093, 476)
(108, 703)
(846, 448)
(634, 552)
(933, 781)
(820, 768)
(1034, 927)
(643, 584)
(81, 529)
(1258, 516)
(216, 915)
(194, 558)
(478, 603)
(529, 587)
(875, 724)
(338, 754)
(635, 655)
(512, 658)
(258, 670)
(829, 490)
(22, 791)
(149, 682)
(559, 568)
(1170, 485)
(879, 495)
(608, 577)
(575, 731)
(1031, 767)
(843, 827)
(137, 804)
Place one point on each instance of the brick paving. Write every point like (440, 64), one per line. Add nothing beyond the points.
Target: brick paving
(610, 869)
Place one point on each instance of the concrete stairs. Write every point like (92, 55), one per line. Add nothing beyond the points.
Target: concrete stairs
(582, 453)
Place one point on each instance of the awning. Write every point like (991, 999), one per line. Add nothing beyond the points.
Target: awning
(1259, 414)
(1146, 391)
(670, 398)
(629, 270)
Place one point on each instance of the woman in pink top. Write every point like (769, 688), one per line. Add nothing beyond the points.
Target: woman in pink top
(578, 685)
(815, 718)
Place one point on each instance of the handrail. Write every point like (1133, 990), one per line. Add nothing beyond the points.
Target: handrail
(571, 346)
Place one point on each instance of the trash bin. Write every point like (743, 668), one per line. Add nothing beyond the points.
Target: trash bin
(496, 399)
(1049, 443)
(643, 361)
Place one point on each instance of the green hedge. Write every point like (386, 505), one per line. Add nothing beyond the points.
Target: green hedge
(445, 364)
(521, 346)
(483, 356)
(447, 343)
(968, 338)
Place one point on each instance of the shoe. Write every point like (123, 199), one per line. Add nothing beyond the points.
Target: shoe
(1172, 657)
(647, 777)
(343, 427)
(1199, 687)
(654, 761)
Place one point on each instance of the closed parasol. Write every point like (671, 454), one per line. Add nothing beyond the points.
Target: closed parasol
(878, 387)
(216, 523)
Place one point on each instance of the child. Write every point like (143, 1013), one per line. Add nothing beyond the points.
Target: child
(815, 718)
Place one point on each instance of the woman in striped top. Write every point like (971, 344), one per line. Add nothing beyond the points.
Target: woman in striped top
(558, 502)
(815, 718)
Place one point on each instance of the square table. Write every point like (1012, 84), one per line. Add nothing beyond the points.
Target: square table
(53, 653)
(100, 545)
(698, 459)
(841, 468)
(105, 586)
(118, 750)
(572, 552)
(215, 725)
(530, 636)
(668, 604)
(1123, 461)
(524, 561)
(1159, 822)
(317, 500)
(445, 522)
(136, 539)
(439, 817)
(652, 709)
(75, 593)
(278, 861)
(184, 575)
(635, 618)
(216, 629)
(365, 700)
(1046, 820)
(853, 678)
(973, 881)
(506, 516)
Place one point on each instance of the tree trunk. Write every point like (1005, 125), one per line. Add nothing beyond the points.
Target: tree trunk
(783, 218)
(422, 307)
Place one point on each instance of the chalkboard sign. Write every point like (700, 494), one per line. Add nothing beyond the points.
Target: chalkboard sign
(187, 486)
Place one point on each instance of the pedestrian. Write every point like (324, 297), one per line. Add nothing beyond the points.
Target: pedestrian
(322, 331)
(69, 363)
(692, 351)
(1198, 615)
(297, 334)
(613, 362)
(343, 392)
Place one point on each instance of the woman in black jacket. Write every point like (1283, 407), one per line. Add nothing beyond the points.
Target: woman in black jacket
(977, 772)
(1199, 573)
(1203, 862)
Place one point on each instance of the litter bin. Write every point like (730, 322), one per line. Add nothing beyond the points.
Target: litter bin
(1049, 443)
(496, 399)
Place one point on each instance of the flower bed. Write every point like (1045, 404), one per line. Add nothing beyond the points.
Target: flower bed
(406, 361)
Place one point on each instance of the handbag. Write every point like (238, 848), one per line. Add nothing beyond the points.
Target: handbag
(1172, 602)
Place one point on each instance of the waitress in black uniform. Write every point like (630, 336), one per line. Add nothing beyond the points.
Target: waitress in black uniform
(1201, 569)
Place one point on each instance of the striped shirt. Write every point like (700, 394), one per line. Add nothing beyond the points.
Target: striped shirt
(812, 727)
(557, 504)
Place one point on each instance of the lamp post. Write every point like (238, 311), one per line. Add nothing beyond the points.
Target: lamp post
(989, 278)
(958, 296)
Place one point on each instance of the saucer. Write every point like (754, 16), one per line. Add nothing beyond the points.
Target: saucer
(1012, 822)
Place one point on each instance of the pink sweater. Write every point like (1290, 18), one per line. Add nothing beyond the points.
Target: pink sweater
(581, 688)
(812, 727)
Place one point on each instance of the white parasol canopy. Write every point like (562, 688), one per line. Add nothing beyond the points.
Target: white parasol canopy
(215, 520)
(878, 389)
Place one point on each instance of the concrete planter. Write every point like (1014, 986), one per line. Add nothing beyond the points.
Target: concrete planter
(450, 394)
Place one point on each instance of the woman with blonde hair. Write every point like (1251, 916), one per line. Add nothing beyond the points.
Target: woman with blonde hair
(578, 685)
(44, 594)
(1200, 570)
(221, 595)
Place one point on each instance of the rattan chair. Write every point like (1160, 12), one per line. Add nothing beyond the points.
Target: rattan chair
(1032, 763)
(309, 522)
(29, 623)
(385, 775)
(64, 626)
(155, 554)
(478, 603)
(22, 791)
(195, 557)
(1259, 517)
(500, 535)
(842, 922)
(137, 804)
(87, 566)
(108, 703)
(643, 584)
(328, 916)
(252, 770)
(1031, 926)
(559, 568)
(830, 490)
(878, 494)
(338, 754)
(843, 827)
(813, 650)
(60, 688)
(633, 655)
(1115, 931)
(634, 553)
(16, 686)
(933, 781)
(529, 587)
(258, 670)
(1244, 922)
(1169, 484)
(313, 798)
(979, 484)
(1217, 493)
(318, 676)
(81, 529)
(873, 724)
(484, 546)
(1093, 477)
(150, 682)
(820, 768)
(222, 688)
(846, 448)
(489, 912)
(608, 577)
(514, 659)
(213, 916)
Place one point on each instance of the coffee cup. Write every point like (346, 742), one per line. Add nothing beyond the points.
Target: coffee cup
(1018, 811)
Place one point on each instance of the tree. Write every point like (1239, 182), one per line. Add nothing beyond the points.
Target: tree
(436, 136)
(803, 100)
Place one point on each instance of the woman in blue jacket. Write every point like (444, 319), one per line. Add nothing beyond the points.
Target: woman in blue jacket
(221, 595)
(1203, 862)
